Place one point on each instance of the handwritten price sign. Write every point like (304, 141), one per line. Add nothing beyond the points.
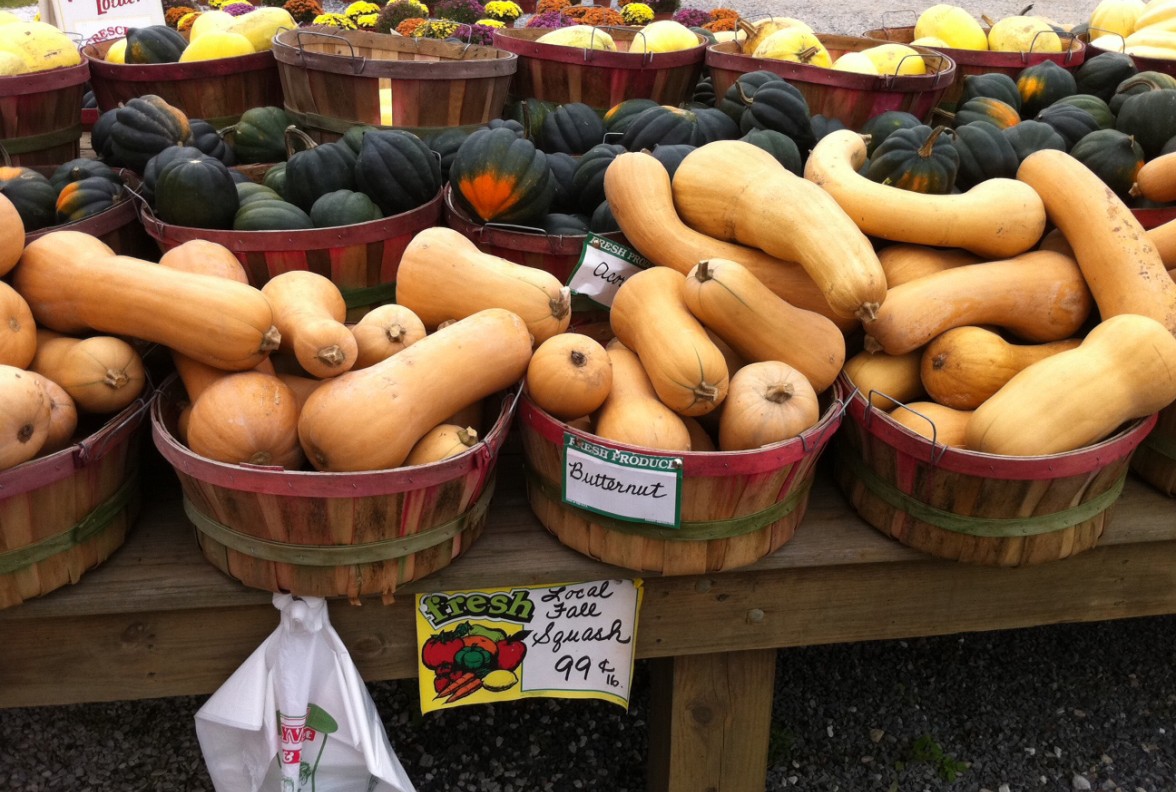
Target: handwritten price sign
(561, 641)
(603, 266)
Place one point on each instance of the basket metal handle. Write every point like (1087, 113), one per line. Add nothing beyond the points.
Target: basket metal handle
(1105, 32)
(841, 405)
(937, 449)
(905, 12)
(300, 32)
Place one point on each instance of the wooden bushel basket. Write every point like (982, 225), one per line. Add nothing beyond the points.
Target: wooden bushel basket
(1162, 65)
(41, 115)
(978, 508)
(846, 96)
(217, 91)
(737, 506)
(972, 62)
(65, 513)
(1155, 459)
(320, 534)
(361, 259)
(554, 73)
(334, 79)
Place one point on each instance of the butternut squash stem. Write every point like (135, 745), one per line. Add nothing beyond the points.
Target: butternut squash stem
(271, 340)
(115, 378)
(703, 273)
(561, 306)
(331, 355)
(778, 394)
(579, 359)
(467, 436)
(395, 332)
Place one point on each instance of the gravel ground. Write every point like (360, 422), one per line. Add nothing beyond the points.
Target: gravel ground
(1069, 707)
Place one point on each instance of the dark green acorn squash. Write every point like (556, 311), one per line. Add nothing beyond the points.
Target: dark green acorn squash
(664, 125)
(563, 170)
(1030, 136)
(499, 177)
(588, 179)
(81, 168)
(508, 123)
(154, 44)
(1141, 83)
(740, 92)
(781, 106)
(1072, 123)
(318, 170)
(1150, 118)
(156, 164)
(260, 135)
(353, 137)
(271, 216)
(197, 192)
(32, 195)
(1101, 75)
(249, 191)
(704, 92)
(921, 159)
(206, 138)
(1042, 84)
(602, 221)
(1099, 109)
(100, 135)
(985, 153)
(880, 126)
(564, 224)
(396, 170)
(1000, 114)
(81, 199)
(618, 117)
(275, 178)
(823, 125)
(143, 127)
(671, 156)
(344, 207)
(445, 144)
(1113, 156)
(994, 85)
(779, 145)
(572, 128)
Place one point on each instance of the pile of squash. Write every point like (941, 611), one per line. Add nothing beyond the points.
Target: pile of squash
(1133, 27)
(31, 47)
(212, 35)
(45, 197)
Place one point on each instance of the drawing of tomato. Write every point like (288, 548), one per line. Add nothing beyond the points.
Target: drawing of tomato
(441, 649)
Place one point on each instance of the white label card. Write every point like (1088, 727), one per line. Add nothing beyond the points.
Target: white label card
(604, 265)
(98, 20)
(622, 484)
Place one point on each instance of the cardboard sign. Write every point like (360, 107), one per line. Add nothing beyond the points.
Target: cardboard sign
(622, 484)
(98, 20)
(558, 641)
(604, 265)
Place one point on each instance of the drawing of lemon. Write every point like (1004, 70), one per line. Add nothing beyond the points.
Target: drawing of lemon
(499, 680)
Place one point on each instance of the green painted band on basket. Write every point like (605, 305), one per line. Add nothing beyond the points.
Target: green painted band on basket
(87, 528)
(690, 531)
(1161, 444)
(364, 296)
(339, 555)
(340, 126)
(993, 527)
(45, 140)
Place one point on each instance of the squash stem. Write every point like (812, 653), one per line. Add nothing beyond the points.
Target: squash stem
(703, 273)
(115, 378)
(704, 391)
(867, 312)
(579, 359)
(395, 332)
(928, 146)
(331, 355)
(778, 393)
(561, 306)
(271, 340)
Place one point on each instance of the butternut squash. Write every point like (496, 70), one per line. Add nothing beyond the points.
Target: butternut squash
(756, 201)
(246, 418)
(443, 275)
(12, 236)
(569, 375)
(309, 311)
(997, 218)
(471, 416)
(936, 422)
(383, 331)
(102, 374)
(769, 402)
(760, 326)
(1125, 368)
(18, 331)
(904, 262)
(1164, 238)
(73, 285)
(1039, 296)
(641, 199)
(442, 442)
(63, 416)
(885, 380)
(1124, 270)
(1156, 180)
(400, 399)
(632, 414)
(650, 317)
(206, 258)
(964, 366)
(24, 416)
(302, 387)
(700, 438)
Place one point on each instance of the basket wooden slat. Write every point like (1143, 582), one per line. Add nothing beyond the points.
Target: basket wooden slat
(978, 508)
(361, 259)
(333, 79)
(217, 90)
(1155, 459)
(555, 73)
(973, 62)
(67, 512)
(41, 115)
(332, 534)
(846, 96)
(737, 507)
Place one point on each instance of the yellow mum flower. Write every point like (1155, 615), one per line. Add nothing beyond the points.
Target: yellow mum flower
(335, 20)
(494, 23)
(637, 14)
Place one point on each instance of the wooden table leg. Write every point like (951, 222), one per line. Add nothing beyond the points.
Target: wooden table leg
(710, 717)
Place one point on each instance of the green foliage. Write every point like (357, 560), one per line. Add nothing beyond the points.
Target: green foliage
(927, 751)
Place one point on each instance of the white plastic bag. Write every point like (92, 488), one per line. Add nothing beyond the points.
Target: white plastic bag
(297, 716)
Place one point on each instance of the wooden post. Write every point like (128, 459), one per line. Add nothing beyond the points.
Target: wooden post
(710, 717)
